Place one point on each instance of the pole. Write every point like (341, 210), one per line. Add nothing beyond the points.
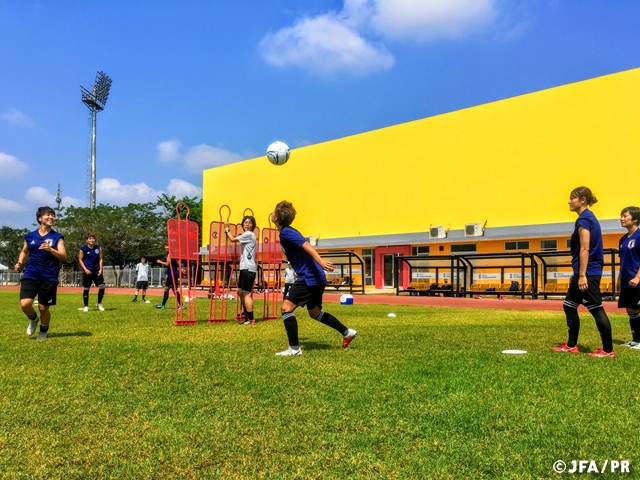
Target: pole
(92, 200)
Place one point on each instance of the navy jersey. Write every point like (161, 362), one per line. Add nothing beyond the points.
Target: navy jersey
(588, 221)
(175, 265)
(629, 258)
(306, 268)
(91, 257)
(42, 264)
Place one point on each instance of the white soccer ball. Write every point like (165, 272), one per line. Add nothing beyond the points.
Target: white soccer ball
(278, 153)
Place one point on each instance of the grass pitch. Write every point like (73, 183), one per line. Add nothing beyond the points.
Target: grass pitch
(126, 394)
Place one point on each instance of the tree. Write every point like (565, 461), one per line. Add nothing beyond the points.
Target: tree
(124, 233)
(168, 204)
(11, 242)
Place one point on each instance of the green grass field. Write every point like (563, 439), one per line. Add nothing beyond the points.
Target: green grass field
(126, 394)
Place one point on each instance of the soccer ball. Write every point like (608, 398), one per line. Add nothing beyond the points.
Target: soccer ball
(278, 153)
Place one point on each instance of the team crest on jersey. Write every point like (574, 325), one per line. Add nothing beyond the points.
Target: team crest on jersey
(49, 242)
(97, 250)
(632, 243)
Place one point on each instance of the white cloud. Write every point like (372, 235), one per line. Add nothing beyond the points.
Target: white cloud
(424, 20)
(10, 166)
(11, 206)
(182, 188)
(203, 156)
(325, 45)
(40, 196)
(110, 190)
(16, 117)
(169, 150)
(349, 40)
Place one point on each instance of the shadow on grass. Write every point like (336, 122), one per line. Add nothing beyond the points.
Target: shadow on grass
(316, 346)
(69, 334)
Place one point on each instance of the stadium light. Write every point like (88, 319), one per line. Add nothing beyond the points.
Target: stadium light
(95, 100)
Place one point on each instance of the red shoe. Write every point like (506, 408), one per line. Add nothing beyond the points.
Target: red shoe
(601, 353)
(565, 348)
(351, 334)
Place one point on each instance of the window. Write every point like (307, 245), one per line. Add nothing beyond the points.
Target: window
(524, 245)
(464, 248)
(420, 250)
(368, 257)
(568, 243)
(548, 245)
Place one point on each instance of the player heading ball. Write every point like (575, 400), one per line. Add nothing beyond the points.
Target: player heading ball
(310, 284)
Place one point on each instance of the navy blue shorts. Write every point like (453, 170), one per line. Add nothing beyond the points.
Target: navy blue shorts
(45, 290)
(301, 294)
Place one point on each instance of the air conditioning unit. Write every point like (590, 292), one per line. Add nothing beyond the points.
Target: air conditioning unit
(473, 230)
(313, 241)
(437, 232)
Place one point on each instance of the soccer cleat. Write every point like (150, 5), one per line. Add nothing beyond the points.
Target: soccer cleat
(630, 343)
(31, 329)
(100, 307)
(84, 309)
(134, 300)
(42, 336)
(636, 347)
(249, 322)
(565, 348)
(290, 352)
(351, 334)
(601, 353)
(161, 307)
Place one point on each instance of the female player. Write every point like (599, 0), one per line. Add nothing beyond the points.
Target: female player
(173, 276)
(45, 248)
(90, 260)
(309, 287)
(248, 266)
(629, 279)
(587, 259)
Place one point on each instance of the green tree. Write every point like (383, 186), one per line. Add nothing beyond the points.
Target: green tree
(168, 205)
(124, 233)
(11, 242)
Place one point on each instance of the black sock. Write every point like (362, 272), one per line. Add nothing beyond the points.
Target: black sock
(100, 294)
(143, 295)
(291, 326)
(135, 297)
(33, 316)
(165, 297)
(250, 315)
(44, 328)
(331, 321)
(573, 324)
(85, 297)
(604, 327)
(634, 323)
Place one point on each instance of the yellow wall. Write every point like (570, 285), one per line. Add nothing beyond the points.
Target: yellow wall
(511, 162)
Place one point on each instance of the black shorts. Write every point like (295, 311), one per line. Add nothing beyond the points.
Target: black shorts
(45, 290)
(629, 298)
(88, 279)
(590, 298)
(246, 280)
(142, 285)
(301, 294)
(169, 281)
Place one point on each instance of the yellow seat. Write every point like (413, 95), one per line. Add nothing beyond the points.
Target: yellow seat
(550, 287)
(562, 288)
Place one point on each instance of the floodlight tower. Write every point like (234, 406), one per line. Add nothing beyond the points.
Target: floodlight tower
(95, 101)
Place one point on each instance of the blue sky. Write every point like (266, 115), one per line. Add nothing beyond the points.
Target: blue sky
(198, 84)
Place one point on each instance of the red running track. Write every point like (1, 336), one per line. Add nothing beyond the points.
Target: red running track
(508, 304)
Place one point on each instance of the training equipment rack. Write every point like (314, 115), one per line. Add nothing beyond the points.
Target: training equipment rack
(183, 248)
